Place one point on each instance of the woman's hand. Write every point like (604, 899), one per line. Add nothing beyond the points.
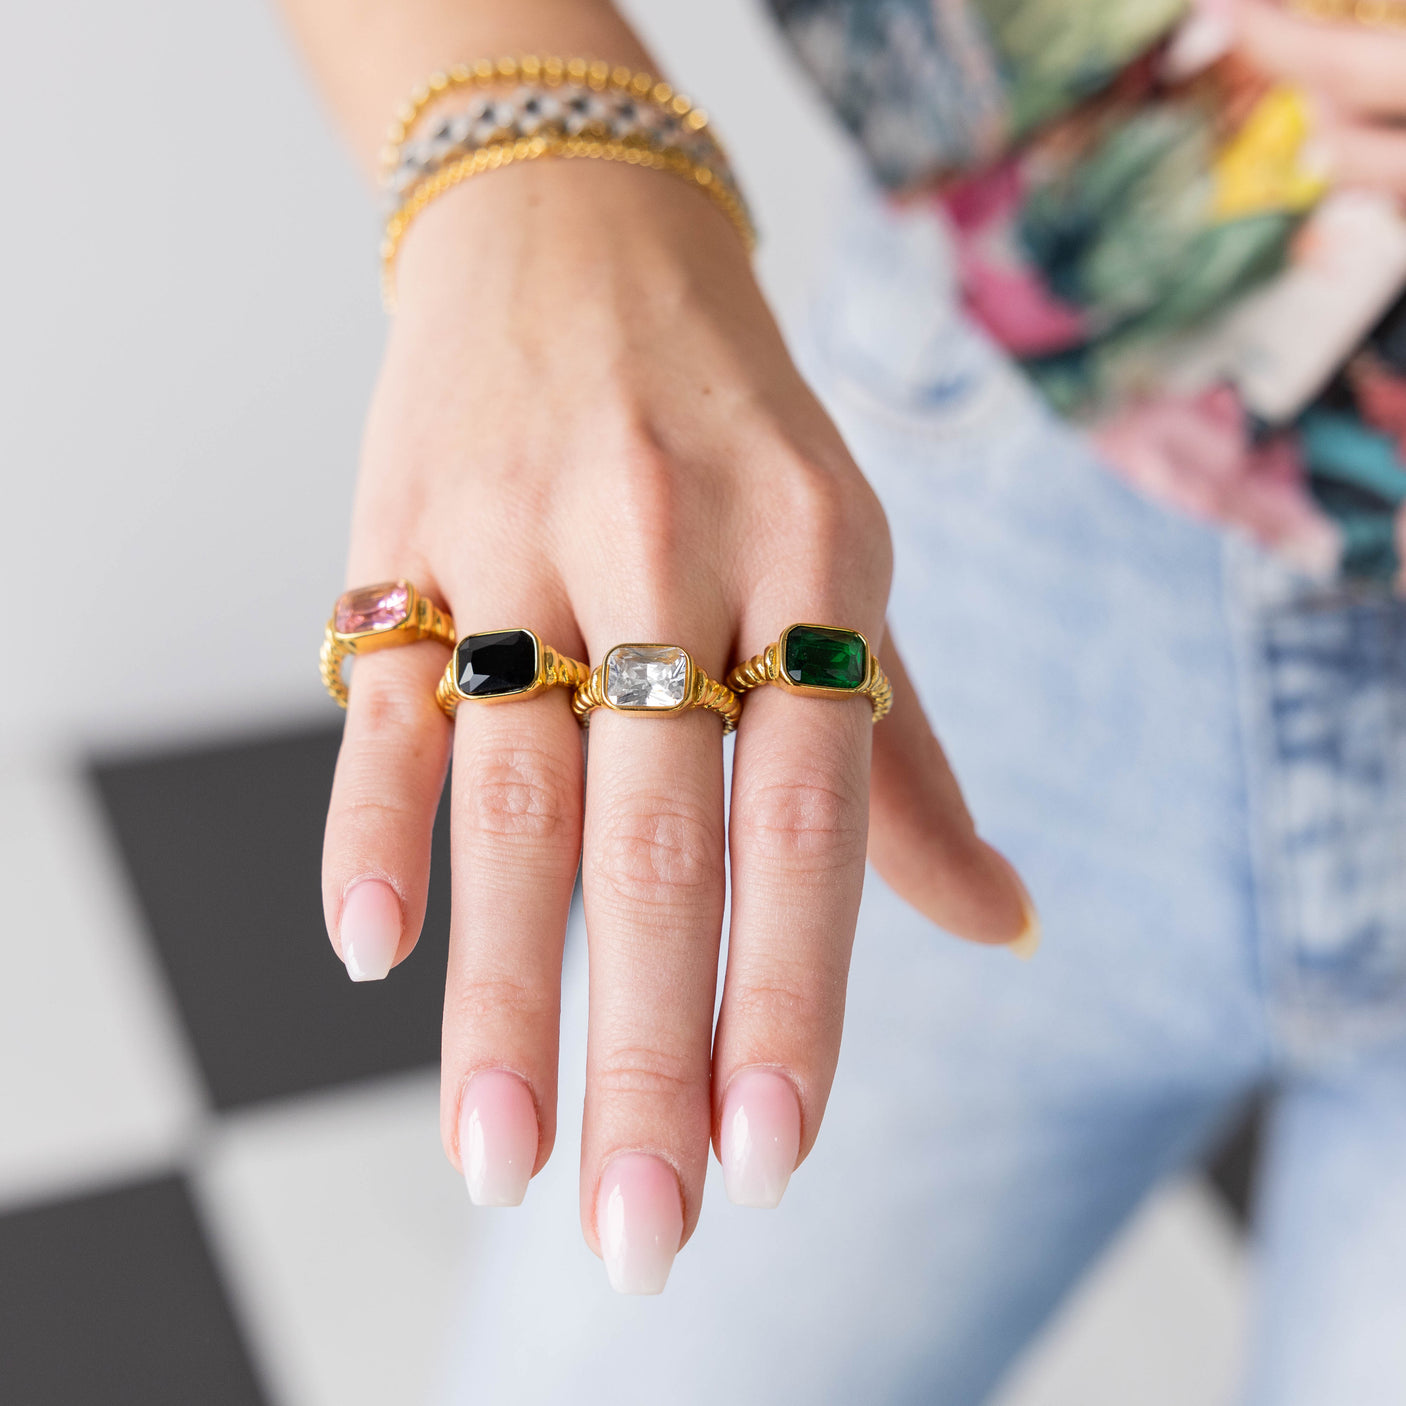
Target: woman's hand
(1357, 74)
(587, 425)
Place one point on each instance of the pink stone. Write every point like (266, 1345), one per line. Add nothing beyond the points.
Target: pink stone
(380, 607)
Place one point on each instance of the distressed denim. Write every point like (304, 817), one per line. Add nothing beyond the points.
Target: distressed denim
(1197, 765)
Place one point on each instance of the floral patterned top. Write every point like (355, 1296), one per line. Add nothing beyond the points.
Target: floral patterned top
(1141, 227)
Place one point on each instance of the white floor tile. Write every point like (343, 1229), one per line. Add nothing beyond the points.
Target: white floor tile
(341, 1226)
(1159, 1322)
(95, 1078)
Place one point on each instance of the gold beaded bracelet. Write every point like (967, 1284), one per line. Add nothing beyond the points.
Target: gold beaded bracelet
(491, 158)
(1380, 14)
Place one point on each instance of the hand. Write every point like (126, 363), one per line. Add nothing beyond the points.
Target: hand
(1357, 74)
(587, 425)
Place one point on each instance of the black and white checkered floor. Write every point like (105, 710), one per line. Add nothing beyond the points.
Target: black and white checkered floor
(220, 1173)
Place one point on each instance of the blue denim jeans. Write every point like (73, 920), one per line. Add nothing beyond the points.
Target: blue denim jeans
(1198, 768)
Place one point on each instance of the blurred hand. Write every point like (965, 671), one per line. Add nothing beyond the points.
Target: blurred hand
(1356, 73)
(587, 425)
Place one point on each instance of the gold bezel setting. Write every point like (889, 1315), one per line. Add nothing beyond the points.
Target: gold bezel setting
(769, 667)
(821, 690)
(553, 669)
(700, 691)
(528, 690)
(684, 703)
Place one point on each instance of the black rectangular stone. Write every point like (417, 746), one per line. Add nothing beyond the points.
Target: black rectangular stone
(497, 664)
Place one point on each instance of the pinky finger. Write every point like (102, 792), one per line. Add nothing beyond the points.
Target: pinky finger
(923, 841)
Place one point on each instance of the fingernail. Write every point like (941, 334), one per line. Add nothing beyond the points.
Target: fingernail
(1028, 942)
(639, 1218)
(1317, 158)
(370, 930)
(1203, 39)
(761, 1137)
(497, 1138)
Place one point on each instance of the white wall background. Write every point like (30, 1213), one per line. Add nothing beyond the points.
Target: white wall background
(190, 333)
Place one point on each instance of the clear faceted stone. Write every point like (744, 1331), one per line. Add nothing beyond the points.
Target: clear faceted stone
(646, 676)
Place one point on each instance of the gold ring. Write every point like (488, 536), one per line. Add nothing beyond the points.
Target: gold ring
(375, 617)
(656, 679)
(497, 665)
(820, 660)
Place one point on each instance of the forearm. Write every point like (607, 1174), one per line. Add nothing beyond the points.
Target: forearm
(368, 54)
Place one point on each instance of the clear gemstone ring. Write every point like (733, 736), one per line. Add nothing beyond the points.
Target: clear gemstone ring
(376, 617)
(658, 680)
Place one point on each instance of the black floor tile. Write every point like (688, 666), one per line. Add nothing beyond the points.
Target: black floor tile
(224, 846)
(113, 1300)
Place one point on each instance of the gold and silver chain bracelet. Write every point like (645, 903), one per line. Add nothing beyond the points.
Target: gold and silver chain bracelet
(528, 108)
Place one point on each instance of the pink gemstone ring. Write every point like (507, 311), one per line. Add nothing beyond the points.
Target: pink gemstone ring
(376, 617)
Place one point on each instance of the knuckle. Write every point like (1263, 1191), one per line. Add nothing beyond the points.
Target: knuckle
(782, 1001)
(637, 1071)
(389, 707)
(658, 847)
(803, 822)
(496, 1002)
(380, 811)
(834, 513)
(520, 793)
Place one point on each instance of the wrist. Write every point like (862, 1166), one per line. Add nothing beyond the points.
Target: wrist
(569, 229)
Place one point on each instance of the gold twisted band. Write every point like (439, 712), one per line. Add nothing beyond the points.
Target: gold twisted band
(655, 679)
(821, 660)
(376, 617)
(500, 665)
(1379, 14)
(491, 158)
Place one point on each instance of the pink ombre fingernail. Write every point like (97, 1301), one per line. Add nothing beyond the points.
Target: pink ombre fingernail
(497, 1138)
(639, 1218)
(761, 1137)
(370, 930)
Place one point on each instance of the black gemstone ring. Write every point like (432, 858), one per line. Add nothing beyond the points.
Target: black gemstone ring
(501, 665)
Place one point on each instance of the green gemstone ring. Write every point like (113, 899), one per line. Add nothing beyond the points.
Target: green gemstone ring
(821, 660)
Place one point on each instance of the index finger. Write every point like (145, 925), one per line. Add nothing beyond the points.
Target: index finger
(1361, 67)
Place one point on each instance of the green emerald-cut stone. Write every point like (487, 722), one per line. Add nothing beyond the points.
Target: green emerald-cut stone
(817, 657)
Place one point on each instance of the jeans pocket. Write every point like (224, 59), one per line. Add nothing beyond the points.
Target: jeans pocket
(888, 334)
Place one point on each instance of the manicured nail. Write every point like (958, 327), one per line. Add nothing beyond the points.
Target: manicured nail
(1201, 40)
(370, 931)
(1028, 942)
(761, 1137)
(639, 1218)
(497, 1138)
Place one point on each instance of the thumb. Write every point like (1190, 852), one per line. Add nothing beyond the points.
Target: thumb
(922, 839)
